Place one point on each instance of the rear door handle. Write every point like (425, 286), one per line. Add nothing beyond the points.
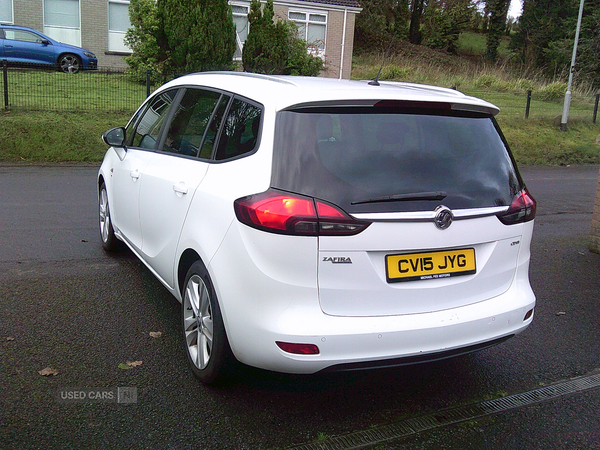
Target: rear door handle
(180, 188)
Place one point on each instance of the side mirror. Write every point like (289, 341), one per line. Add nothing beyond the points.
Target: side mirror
(46, 42)
(115, 137)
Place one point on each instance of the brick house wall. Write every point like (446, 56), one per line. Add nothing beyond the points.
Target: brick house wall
(335, 46)
(28, 14)
(595, 229)
(335, 34)
(94, 29)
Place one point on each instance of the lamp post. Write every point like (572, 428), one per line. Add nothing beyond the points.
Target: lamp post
(567, 104)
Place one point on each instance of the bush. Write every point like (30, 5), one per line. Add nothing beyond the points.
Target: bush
(274, 48)
(141, 37)
(393, 72)
(165, 43)
(552, 91)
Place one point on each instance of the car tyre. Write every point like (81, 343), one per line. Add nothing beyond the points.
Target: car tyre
(69, 63)
(204, 334)
(110, 242)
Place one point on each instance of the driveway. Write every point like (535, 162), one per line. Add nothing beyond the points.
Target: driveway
(67, 306)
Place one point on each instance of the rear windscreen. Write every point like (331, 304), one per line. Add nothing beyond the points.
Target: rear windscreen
(357, 158)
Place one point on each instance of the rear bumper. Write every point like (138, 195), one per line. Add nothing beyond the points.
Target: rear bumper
(262, 303)
(416, 359)
(368, 342)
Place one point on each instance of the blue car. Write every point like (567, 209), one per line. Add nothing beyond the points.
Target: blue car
(25, 46)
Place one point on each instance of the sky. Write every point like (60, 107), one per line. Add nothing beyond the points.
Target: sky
(515, 9)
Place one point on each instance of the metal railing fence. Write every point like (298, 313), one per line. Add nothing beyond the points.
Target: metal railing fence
(113, 90)
(35, 89)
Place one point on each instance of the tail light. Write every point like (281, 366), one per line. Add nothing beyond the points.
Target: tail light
(283, 213)
(522, 209)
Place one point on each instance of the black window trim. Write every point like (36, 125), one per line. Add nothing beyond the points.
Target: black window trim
(146, 106)
(256, 146)
(181, 90)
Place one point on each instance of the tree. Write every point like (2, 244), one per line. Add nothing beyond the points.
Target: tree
(265, 49)
(141, 38)
(498, 10)
(444, 20)
(165, 43)
(378, 22)
(199, 34)
(542, 22)
(559, 52)
(417, 9)
(273, 47)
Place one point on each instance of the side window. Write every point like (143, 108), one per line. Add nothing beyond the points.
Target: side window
(131, 125)
(148, 128)
(212, 133)
(190, 121)
(240, 130)
(22, 35)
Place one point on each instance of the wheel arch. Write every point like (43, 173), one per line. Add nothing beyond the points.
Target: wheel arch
(66, 52)
(100, 181)
(188, 257)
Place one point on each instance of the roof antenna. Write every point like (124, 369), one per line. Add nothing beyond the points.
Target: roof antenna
(375, 82)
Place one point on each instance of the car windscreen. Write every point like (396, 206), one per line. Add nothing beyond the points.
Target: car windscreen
(369, 159)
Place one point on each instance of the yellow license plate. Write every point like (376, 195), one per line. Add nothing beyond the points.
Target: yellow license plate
(428, 266)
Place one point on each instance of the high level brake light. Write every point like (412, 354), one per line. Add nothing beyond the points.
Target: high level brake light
(283, 213)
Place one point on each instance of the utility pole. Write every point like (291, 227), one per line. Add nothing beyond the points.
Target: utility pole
(567, 104)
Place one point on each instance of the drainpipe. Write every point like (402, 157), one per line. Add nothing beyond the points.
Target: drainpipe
(343, 43)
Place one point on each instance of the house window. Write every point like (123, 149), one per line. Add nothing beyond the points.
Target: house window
(61, 21)
(6, 11)
(312, 27)
(118, 24)
(240, 19)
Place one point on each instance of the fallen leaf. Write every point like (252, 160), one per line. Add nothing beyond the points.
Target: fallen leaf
(129, 365)
(155, 334)
(10, 338)
(48, 372)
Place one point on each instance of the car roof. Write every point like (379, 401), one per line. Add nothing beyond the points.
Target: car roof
(11, 25)
(19, 27)
(286, 92)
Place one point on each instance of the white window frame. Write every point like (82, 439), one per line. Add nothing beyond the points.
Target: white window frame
(116, 37)
(239, 44)
(312, 49)
(11, 10)
(64, 33)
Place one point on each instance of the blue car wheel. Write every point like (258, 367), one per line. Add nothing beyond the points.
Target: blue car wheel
(69, 63)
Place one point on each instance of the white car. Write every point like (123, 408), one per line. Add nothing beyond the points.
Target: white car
(310, 224)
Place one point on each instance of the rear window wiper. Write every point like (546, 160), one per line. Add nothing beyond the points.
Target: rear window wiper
(412, 197)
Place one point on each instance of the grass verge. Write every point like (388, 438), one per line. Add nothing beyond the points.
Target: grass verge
(55, 137)
(536, 140)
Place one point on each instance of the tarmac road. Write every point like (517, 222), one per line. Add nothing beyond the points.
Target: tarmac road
(66, 305)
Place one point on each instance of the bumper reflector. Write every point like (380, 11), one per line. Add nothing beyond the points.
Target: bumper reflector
(298, 349)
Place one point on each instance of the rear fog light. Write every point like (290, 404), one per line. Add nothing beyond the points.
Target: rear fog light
(298, 349)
